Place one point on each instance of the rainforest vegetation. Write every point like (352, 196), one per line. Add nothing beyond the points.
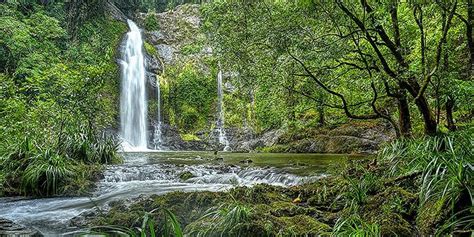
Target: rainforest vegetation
(303, 67)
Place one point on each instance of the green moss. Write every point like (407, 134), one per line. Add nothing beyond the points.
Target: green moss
(391, 209)
(261, 193)
(430, 215)
(279, 148)
(151, 50)
(301, 225)
(190, 137)
(290, 209)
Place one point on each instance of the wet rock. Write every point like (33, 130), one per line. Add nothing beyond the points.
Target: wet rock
(156, 37)
(166, 52)
(10, 228)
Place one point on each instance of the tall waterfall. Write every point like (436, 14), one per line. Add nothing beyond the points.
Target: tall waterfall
(220, 121)
(133, 99)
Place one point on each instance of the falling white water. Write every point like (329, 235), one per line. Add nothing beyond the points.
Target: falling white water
(157, 127)
(220, 121)
(133, 103)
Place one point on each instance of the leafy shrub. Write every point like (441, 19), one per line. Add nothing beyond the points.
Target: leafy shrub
(191, 49)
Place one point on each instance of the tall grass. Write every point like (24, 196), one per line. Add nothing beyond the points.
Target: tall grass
(446, 167)
(355, 226)
(89, 147)
(224, 220)
(46, 172)
(171, 227)
(359, 189)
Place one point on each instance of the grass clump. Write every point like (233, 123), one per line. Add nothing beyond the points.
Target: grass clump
(171, 226)
(229, 219)
(355, 226)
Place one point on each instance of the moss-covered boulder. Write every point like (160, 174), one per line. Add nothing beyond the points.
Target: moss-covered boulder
(394, 210)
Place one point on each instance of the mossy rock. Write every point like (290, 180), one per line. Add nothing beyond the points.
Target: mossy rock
(186, 175)
(431, 214)
(261, 193)
(324, 192)
(300, 225)
(119, 215)
(393, 209)
(290, 209)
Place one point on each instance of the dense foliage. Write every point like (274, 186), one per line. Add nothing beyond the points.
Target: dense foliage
(55, 97)
(407, 64)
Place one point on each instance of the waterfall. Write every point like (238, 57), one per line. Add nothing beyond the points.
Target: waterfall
(157, 127)
(220, 110)
(133, 100)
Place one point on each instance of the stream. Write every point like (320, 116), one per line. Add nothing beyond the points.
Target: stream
(144, 173)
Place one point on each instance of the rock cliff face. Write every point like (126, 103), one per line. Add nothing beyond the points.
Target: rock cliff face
(175, 37)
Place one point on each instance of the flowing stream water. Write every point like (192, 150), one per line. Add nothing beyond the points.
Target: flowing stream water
(133, 101)
(159, 173)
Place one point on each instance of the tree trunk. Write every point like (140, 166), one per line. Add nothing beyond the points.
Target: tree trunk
(428, 118)
(404, 116)
(449, 114)
(321, 119)
(423, 106)
(470, 41)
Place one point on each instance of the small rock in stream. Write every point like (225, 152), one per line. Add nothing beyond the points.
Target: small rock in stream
(10, 228)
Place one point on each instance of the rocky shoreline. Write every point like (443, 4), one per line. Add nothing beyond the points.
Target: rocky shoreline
(352, 138)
